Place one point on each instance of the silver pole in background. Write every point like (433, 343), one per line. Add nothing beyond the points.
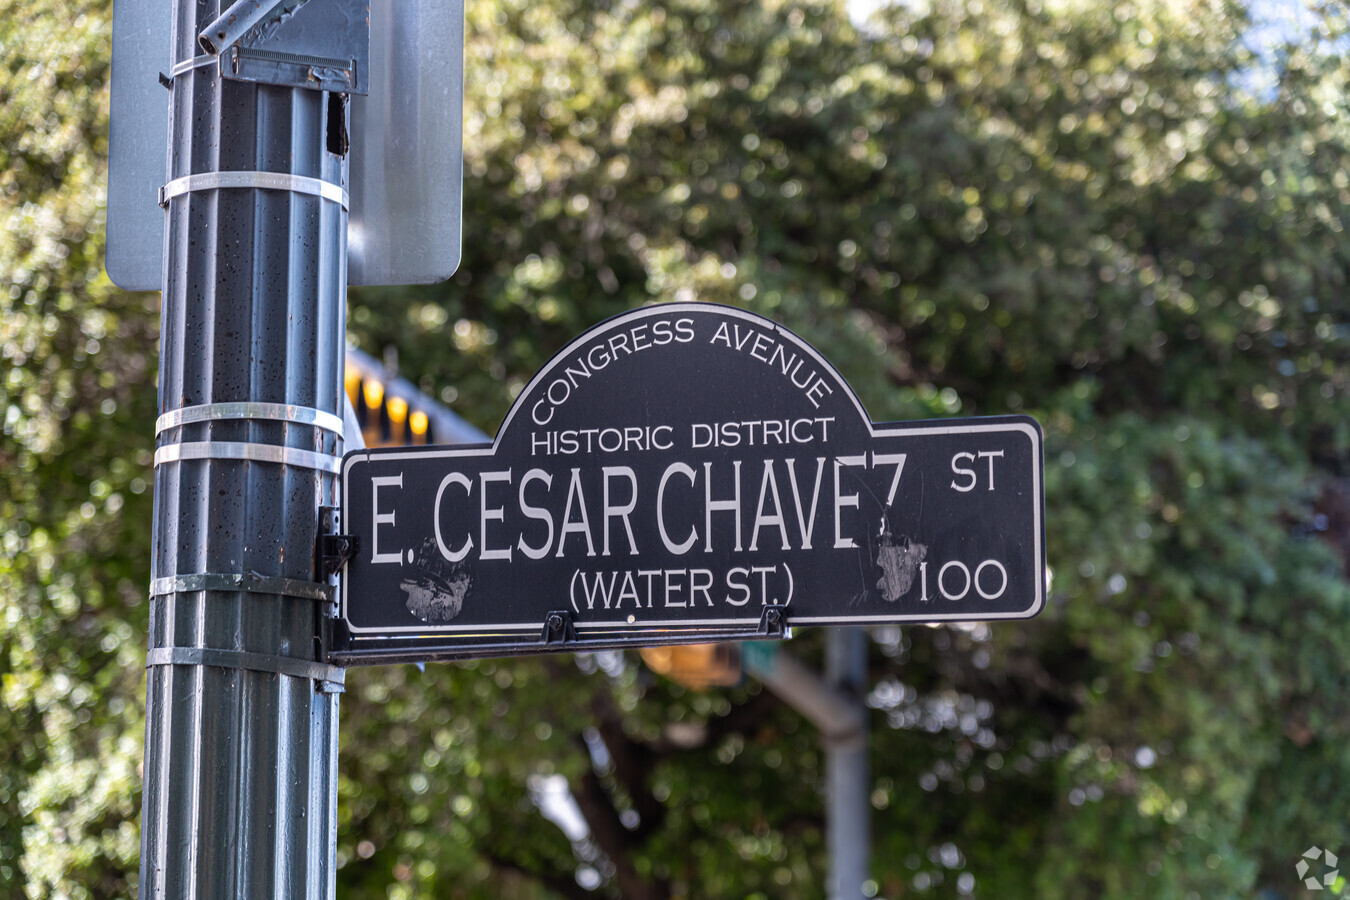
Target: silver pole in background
(836, 704)
(849, 817)
(242, 712)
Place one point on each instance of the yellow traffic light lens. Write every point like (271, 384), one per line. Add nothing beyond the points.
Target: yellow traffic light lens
(374, 393)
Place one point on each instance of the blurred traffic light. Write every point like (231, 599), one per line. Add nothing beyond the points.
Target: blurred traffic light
(696, 666)
(393, 412)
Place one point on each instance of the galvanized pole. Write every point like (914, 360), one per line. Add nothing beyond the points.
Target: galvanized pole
(242, 712)
(849, 817)
(836, 705)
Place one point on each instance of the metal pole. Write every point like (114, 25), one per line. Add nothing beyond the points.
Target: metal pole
(848, 820)
(836, 705)
(241, 711)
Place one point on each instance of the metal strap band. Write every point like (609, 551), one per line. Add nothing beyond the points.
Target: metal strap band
(290, 456)
(254, 662)
(196, 62)
(272, 181)
(238, 581)
(281, 412)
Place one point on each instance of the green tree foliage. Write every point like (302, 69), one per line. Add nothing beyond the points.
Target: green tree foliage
(77, 400)
(1079, 211)
(1094, 213)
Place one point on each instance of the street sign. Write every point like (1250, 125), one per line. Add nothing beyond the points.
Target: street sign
(680, 473)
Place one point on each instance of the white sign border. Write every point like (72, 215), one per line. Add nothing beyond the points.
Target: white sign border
(884, 430)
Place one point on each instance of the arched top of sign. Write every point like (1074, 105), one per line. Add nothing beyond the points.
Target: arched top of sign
(683, 351)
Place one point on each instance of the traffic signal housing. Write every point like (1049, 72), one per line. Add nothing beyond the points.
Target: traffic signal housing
(393, 412)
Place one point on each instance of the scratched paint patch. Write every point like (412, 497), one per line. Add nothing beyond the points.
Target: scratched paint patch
(436, 589)
(898, 559)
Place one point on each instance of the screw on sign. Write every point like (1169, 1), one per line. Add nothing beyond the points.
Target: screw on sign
(1329, 861)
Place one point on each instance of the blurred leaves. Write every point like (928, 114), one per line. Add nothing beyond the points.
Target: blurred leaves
(1087, 212)
(77, 399)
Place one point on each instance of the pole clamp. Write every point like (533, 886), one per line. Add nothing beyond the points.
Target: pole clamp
(269, 181)
(187, 65)
(240, 581)
(274, 412)
(270, 453)
(330, 678)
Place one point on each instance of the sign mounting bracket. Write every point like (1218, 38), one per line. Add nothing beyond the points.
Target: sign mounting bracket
(558, 628)
(773, 623)
(335, 550)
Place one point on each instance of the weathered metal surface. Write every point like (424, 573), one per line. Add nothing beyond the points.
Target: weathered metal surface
(241, 722)
(673, 474)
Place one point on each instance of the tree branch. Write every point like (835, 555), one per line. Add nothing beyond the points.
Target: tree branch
(556, 881)
(614, 839)
(633, 764)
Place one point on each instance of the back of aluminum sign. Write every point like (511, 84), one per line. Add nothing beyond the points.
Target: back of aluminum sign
(406, 145)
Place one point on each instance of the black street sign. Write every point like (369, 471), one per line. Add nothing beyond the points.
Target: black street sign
(687, 472)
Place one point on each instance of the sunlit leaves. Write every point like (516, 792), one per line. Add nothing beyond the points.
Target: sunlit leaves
(76, 404)
(1080, 211)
